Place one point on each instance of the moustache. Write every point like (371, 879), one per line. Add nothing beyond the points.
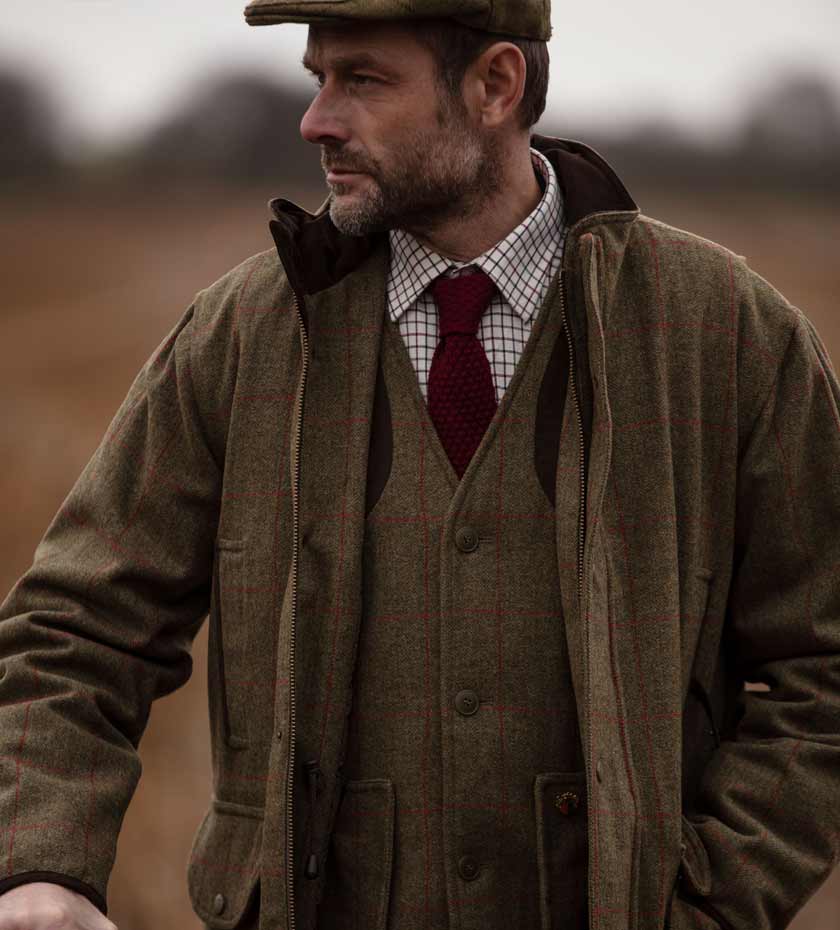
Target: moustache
(329, 165)
(348, 168)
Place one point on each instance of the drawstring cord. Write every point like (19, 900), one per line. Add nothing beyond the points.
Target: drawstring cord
(313, 771)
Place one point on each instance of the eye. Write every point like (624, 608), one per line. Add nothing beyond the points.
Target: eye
(359, 79)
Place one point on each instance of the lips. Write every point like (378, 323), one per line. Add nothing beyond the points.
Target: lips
(342, 177)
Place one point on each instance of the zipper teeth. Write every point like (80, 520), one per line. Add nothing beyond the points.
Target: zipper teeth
(290, 872)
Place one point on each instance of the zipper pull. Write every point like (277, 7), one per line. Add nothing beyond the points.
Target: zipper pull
(313, 770)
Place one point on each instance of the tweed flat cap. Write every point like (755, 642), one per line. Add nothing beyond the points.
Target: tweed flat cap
(527, 19)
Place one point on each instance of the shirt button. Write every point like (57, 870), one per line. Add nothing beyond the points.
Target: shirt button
(468, 868)
(466, 703)
(466, 539)
(219, 903)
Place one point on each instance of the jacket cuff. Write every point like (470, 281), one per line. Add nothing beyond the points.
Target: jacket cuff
(56, 878)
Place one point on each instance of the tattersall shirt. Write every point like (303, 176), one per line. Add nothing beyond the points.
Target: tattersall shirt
(522, 266)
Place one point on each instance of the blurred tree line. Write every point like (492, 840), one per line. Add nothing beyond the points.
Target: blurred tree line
(242, 128)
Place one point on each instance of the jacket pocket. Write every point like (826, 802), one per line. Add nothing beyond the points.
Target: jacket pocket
(695, 869)
(357, 883)
(223, 870)
(230, 638)
(562, 849)
(700, 736)
(694, 877)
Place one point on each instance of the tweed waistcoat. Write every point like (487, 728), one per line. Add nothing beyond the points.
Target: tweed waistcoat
(464, 797)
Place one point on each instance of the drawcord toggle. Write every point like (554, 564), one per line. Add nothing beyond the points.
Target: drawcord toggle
(313, 771)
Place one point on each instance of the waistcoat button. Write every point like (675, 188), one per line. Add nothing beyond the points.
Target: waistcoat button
(466, 539)
(468, 868)
(567, 802)
(466, 703)
(219, 904)
(599, 771)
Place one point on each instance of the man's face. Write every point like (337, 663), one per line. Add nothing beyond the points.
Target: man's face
(417, 158)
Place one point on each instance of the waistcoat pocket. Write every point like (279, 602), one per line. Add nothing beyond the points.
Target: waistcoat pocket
(357, 882)
(229, 639)
(562, 849)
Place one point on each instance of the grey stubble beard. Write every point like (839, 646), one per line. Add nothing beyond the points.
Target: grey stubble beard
(437, 176)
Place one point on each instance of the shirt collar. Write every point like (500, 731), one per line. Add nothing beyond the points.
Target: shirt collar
(530, 249)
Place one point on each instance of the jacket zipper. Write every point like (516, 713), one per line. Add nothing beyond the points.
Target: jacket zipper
(581, 523)
(290, 871)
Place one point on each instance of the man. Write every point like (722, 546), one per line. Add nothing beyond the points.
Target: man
(497, 491)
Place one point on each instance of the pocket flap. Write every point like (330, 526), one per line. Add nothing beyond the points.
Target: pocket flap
(224, 863)
(695, 867)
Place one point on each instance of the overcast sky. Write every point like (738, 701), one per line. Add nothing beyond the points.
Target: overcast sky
(114, 65)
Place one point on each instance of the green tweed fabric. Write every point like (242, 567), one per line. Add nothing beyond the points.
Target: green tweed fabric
(712, 507)
(527, 19)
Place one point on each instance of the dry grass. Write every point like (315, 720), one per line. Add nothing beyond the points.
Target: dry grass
(93, 285)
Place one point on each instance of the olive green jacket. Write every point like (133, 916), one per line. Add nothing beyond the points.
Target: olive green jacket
(698, 546)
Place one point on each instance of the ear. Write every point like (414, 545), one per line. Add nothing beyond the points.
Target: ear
(496, 82)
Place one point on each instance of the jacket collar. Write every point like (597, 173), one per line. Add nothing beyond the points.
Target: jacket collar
(316, 255)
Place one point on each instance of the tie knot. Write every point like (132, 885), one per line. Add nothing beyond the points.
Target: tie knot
(462, 301)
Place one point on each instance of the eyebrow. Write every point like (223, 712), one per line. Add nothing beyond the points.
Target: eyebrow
(345, 63)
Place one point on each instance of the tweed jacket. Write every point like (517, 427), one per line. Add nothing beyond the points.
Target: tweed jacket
(698, 546)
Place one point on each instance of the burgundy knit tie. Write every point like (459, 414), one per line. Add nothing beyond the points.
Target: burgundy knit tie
(461, 395)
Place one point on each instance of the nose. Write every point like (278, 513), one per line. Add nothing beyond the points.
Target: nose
(322, 122)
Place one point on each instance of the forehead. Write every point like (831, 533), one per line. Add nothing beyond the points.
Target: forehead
(389, 45)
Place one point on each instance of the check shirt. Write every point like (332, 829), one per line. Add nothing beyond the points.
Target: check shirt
(522, 266)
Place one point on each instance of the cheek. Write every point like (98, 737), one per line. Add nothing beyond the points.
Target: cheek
(396, 128)
(405, 112)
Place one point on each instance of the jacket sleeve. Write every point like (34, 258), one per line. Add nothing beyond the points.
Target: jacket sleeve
(769, 800)
(102, 624)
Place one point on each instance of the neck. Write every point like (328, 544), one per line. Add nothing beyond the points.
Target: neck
(465, 237)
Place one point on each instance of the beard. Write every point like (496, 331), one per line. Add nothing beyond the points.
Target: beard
(437, 174)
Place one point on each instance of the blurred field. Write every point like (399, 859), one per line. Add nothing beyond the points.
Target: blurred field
(92, 284)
